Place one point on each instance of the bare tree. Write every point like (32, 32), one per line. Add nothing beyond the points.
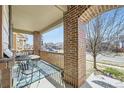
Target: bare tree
(103, 29)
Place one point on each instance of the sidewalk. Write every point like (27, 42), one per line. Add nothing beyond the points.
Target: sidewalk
(102, 81)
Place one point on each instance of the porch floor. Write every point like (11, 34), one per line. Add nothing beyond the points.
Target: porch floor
(46, 76)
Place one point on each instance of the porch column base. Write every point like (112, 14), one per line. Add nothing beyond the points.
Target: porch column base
(76, 83)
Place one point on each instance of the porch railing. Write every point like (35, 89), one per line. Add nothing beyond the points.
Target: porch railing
(25, 52)
(6, 63)
(56, 59)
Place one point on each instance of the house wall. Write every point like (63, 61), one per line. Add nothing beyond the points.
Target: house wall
(5, 76)
(5, 27)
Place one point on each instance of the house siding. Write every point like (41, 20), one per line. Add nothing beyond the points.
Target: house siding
(5, 27)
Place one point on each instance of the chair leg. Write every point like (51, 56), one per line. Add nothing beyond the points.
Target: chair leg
(19, 80)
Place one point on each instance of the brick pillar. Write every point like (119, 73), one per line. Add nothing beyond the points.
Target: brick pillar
(74, 47)
(37, 42)
(41, 43)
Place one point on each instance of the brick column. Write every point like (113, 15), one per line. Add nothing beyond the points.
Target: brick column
(37, 42)
(41, 42)
(74, 47)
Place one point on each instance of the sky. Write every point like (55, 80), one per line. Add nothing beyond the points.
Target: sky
(54, 36)
(57, 35)
(30, 39)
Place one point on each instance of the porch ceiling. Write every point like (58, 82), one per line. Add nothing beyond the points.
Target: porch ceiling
(31, 18)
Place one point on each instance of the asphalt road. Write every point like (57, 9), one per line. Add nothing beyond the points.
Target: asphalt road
(110, 59)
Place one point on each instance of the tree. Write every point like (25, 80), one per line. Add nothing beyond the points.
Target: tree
(103, 30)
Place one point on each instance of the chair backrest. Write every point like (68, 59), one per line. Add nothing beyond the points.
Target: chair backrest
(8, 53)
(23, 66)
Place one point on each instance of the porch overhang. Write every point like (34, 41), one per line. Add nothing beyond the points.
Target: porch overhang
(27, 19)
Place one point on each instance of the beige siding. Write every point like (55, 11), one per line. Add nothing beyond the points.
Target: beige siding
(5, 26)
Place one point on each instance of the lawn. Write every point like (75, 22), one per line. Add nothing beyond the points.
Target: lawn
(114, 73)
(106, 70)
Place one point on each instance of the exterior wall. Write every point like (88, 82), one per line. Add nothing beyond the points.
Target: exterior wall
(56, 59)
(4, 30)
(5, 27)
(4, 44)
(37, 42)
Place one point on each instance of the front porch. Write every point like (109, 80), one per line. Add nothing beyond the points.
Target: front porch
(66, 69)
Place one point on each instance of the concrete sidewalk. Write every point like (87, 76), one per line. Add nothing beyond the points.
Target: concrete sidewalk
(102, 81)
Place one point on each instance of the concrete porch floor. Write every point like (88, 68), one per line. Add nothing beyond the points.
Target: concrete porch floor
(101, 82)
(50, 77)
(45, 83)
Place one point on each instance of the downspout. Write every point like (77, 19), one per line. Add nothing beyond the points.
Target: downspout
(10, 28)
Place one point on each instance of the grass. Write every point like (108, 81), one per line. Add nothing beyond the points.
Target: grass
(114, 73)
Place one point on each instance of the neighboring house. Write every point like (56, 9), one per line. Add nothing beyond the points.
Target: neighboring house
(28, 47)
(53, 47)
(119, 42)
(19, 41)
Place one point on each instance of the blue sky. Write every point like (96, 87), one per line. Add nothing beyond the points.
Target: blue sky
(30, 39)
(54, 36)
